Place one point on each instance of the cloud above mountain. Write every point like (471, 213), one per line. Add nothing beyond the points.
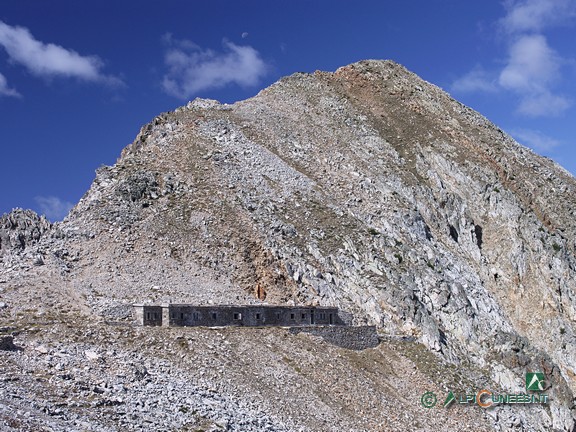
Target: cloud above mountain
(48, 60)
(536, 15)
(477, 80)
(535, 139)
(192, 69)
(532, 68)
(53, 207)
(5, 90)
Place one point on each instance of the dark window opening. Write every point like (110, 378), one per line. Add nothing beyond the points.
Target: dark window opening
(147, 315)
(237, 315)
(303, 316)
(331, 321)
(213, 315)
(181, 315)
(257, 316)
(291, 316)
(195, 316)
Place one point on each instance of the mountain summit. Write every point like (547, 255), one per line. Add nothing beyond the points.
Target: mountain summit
(367, 189)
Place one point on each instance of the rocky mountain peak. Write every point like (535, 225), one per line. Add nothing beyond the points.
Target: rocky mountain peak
(366, 188)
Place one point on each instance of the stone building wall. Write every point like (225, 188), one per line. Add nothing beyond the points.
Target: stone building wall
(349, 337)
(148, 315)
(251, 316)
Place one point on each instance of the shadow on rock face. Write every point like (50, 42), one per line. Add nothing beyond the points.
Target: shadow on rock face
(7, 344)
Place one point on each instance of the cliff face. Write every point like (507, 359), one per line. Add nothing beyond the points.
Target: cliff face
(367, 189)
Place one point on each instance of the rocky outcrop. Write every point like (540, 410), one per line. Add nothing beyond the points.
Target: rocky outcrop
(367, 189)
(21, 229)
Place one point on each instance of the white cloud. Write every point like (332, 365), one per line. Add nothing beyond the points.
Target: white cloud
(535, 15)
(5, 90)
(475, 80)
(53, 208)
(535, 139)
(533, 68)
(532, 65)
(543, 104)
(50, 60)
(192, 69)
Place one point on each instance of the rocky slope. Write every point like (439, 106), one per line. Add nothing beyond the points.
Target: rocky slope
(366, 188)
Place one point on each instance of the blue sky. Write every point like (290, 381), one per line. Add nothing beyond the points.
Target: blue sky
(79, 78)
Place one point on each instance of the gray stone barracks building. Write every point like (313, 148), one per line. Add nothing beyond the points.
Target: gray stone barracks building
(253, 316)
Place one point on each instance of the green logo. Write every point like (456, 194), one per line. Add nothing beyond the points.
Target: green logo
(428, 399)
(534, 381)
(449, 399)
